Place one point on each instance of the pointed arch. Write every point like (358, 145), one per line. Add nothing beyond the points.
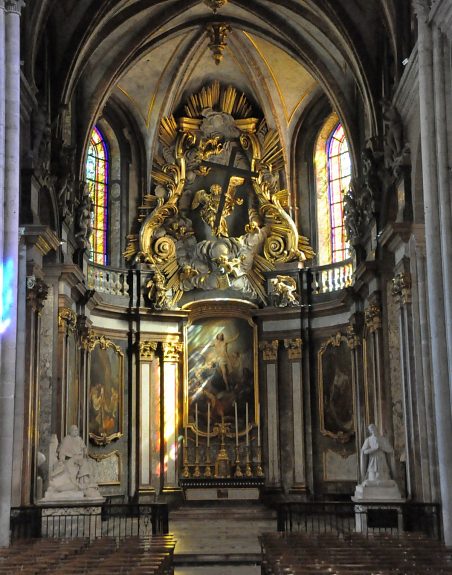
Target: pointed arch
(332, 174)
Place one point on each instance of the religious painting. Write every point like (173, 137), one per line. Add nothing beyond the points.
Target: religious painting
(105, 391)
(335, 389)
(221, 373)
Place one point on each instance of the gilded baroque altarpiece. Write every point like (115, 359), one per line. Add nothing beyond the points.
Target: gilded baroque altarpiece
(216, 217)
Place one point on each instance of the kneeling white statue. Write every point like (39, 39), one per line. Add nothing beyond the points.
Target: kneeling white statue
(71, 473)
(377, 469)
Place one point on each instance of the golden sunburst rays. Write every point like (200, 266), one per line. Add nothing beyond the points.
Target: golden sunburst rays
(168, 131)
(222, 99)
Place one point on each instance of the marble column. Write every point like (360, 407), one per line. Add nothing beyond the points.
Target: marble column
(2, 118)
(374, 388)
(355, 345)
(36, 294)
(149, 446)
(10, 225)
(443, 155)
(271, 444)
(170, 405)
(401, 290)
(435, 256)
(294, 353)
(422, 359)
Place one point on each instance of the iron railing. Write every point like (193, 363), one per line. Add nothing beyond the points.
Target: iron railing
(367, 518)
(68, 521)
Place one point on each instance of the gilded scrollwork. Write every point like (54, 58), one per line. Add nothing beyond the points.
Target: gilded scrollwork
(216, 218)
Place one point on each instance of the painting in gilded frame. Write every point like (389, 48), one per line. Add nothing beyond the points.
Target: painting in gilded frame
(335, 386)
(106, 391)
(221, 371)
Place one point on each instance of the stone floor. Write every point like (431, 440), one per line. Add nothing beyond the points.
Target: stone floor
(219, 540)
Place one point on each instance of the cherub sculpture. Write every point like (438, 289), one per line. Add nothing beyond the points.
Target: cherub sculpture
(284, 291)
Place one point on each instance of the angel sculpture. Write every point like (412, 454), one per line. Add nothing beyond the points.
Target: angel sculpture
(285, 291)
(212, 212)
(157, 291)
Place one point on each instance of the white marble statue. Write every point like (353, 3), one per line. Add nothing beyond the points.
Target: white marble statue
(377, 469)
(71, 473)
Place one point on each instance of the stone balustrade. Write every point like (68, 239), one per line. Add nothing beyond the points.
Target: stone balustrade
(331, 278)
(108, 280)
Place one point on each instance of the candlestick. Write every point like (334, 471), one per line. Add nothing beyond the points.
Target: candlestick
(258, 417)
(196, 424)
(246, 423)
(208, 425)
(236, 425)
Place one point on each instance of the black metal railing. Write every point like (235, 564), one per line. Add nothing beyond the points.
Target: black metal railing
(68, 521)
(367, 518)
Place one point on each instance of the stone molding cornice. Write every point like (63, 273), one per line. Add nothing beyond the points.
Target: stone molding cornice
(42, 237)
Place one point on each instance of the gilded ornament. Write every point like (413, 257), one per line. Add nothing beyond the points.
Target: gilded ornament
(372, 318)
(67, 318)
(206, 158)
(294, 347)
(401, 288)
(147, 349)
(353, 340)
(172, 351)
(215, 5)
(218, 34)
(284, 291)
(269, 350)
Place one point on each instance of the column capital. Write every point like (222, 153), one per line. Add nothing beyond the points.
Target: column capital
(37, 291)
(148, 349)
(171, 351)
(269, 350)
(421, 8)
(13, 6)
(401, 288)
(372, 318)
(294, 347)
(353, 340)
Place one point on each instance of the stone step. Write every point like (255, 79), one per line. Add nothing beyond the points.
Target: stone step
(200, 559)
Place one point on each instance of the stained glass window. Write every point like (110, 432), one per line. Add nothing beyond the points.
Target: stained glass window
(339, 173)
(333, 173)
(97, 179)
